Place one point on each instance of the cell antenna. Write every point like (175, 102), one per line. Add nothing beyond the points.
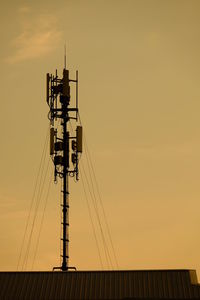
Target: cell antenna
(65, 145)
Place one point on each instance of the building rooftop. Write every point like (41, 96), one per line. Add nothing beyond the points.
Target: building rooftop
(141, 284)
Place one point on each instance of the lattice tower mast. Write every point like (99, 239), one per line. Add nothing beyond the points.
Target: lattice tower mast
(62, 144)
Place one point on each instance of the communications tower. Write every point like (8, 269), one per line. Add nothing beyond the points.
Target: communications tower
(65, 147)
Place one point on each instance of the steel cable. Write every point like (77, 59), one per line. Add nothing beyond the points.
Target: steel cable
(92, 223)
(99, 196)
(98, 214)
(33, 197)
(98, 218)
(101, 203)
(40, 191)
(42, 221)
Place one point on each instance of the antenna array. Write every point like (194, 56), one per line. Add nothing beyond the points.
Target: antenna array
(62, 144)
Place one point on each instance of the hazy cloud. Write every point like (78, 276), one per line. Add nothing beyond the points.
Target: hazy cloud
(24, 9)
(39, 36)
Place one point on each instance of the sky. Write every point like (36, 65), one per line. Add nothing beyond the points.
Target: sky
(138, 63)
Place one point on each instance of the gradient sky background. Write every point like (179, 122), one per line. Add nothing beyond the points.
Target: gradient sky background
(139, 72)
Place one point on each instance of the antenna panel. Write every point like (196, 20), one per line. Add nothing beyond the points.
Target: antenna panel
(66, 88)
(52, 133)
(79, 137)
(47, 87)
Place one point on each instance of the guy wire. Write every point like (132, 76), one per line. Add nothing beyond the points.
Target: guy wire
(99, 195)
(98, 219)
(101, 202)
(32, 199)
(40, 191)
(91, 220)
(42, 220)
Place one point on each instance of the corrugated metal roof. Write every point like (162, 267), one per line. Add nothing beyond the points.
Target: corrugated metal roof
(148, 284)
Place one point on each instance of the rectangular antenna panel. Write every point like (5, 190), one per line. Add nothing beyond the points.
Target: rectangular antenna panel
(79, 138)
(47, 91)
(52, 140)
(66, 88)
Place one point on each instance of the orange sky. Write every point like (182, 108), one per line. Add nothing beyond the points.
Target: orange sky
(139, 94)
